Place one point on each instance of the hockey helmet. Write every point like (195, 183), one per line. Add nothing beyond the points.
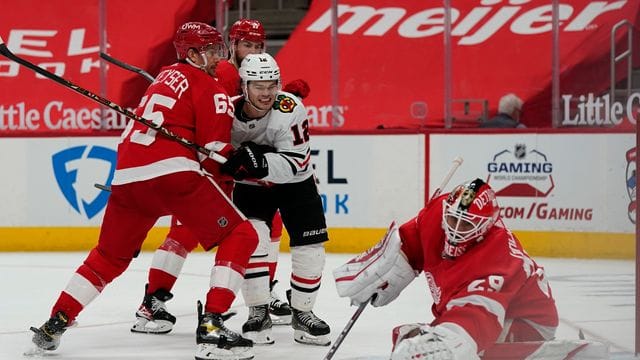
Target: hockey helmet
(248, 30)
(199, 36)
(259, 67)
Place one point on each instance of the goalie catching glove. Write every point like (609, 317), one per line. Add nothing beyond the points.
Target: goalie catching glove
(248, 162)
(382, 271)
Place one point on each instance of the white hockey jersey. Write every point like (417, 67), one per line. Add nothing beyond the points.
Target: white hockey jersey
(285, 128)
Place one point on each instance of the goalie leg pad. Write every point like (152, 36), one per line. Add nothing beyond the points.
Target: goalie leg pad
(383, 271)
(549, 350)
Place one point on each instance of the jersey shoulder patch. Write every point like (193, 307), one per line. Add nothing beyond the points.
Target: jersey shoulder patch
(284, 103)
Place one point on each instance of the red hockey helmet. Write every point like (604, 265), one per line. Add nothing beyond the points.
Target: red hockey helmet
(248, 30)
(199, 36)
(468, 213)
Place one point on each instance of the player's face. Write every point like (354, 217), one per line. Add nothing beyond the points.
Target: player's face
(244, 48)
(212, 56)
(460, 225)
(262, 94)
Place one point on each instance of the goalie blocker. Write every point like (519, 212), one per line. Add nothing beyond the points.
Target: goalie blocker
(382, 271)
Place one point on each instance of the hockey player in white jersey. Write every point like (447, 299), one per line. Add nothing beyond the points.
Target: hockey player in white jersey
(272, 168)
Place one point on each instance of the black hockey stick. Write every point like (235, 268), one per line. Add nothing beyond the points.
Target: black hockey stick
(126, 66)
(102, 187)
(456, 164)
(110, 104)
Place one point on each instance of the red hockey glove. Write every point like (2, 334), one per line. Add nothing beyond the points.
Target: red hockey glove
(299, 88)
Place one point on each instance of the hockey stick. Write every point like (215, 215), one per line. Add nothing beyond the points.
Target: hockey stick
(347, 328)
(110, 104)
(456, 164)
(126, 66)
(102, 187)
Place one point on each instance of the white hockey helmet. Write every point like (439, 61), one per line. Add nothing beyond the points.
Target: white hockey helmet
(259, 67)
(468, 213)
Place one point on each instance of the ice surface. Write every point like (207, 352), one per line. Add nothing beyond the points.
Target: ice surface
(596, 296)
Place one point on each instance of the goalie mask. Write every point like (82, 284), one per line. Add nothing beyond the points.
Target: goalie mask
(468, 213)
(198, 36)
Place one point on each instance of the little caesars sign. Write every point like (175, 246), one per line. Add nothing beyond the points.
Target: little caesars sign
(591, 110)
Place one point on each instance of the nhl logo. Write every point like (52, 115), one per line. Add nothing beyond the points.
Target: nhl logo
(520, 151)
(223, 222)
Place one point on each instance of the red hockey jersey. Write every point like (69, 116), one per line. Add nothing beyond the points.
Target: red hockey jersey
(189, 103)
(229, 78)
(495, 291)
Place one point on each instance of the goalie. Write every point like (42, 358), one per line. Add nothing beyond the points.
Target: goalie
(485, 287)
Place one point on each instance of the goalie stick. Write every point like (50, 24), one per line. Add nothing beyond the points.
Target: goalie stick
(4, 50)
(126, 66)
(456, 164)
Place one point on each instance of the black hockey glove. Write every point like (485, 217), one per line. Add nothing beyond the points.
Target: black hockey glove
(248, 161)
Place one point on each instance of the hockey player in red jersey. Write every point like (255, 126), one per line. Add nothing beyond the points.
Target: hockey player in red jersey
(245, 37)
(157, 176)
(485, 288)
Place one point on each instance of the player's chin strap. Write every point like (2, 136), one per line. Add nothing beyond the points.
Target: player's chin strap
(201, 67)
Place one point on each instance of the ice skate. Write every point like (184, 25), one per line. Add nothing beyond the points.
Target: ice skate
(280, 310)
(309, 329)
(216, 342)
(258, 326)
(152, 317)
(47, 336)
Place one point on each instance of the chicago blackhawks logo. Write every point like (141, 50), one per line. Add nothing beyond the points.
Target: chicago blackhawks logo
(284, 104)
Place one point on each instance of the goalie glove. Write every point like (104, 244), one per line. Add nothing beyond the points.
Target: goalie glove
(382, 271)
(446, 341)
(248, 161)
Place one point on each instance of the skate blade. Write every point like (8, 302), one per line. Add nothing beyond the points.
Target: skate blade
(229, 314)
(305, 338)
(281, 320)
(144, 326)
(260, 338)
(40, 343)
(212, 352)
(36, 352)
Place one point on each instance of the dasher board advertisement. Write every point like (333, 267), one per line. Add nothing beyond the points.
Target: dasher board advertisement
(549, 182)
(365, 181)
